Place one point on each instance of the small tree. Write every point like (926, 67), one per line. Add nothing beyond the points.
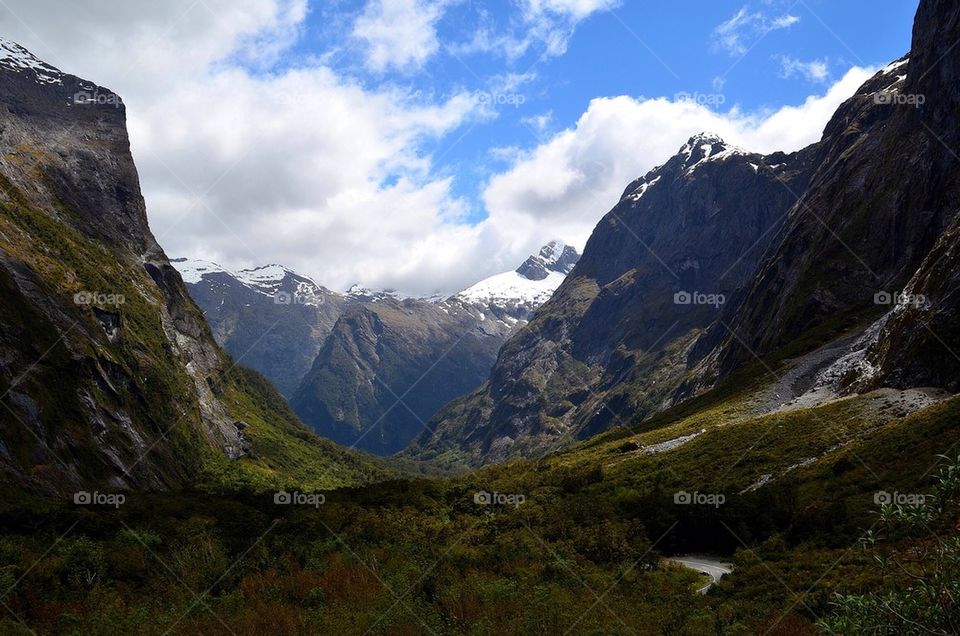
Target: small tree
(917, 547)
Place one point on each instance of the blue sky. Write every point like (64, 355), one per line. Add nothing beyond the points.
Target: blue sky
(640, 49)
(421, 145)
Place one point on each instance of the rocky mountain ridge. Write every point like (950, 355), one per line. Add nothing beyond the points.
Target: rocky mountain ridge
(271, 318)
(654, 273)
(345, 360)
(721, 258)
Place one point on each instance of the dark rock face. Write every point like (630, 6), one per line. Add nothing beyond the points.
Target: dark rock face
(868, 212)
(885, 191)
(919, 344)
(657, 267)
(46, 115)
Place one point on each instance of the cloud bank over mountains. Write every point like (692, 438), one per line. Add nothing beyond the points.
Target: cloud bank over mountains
(252, 152)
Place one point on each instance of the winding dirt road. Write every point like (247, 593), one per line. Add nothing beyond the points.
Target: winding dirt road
(706, 565)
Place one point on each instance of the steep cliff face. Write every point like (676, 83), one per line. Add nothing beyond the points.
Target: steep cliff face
(919, 341)
(884, 193)
(108, 373)
(655, 271)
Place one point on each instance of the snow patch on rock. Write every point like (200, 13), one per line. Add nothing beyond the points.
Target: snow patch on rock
(193, 270)
(18, 59)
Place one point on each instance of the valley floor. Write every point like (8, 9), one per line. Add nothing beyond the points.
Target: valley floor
(574, 543)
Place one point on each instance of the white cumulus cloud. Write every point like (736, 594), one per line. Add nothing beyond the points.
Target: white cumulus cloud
(399, 34)
(245, 164)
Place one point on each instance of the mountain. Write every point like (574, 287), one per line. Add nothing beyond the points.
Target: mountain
(276, 321)
(513, 296)
(270, 318)
(809, 443)
(866, 222)
(837, 258)
(873, 239)
(611, 340)
(108, 372)
(390, 363)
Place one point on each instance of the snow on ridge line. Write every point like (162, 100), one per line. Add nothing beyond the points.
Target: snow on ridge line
(18, 59)
(501, 289)
(642, 188)
(892, 66)
(511, 286)
(192, 270)
(706, 142)
(264, 275)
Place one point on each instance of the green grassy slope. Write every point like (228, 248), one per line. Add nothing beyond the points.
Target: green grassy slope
(284, 453)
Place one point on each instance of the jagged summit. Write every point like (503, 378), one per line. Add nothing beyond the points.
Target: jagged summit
(699, 150)
(531, 284)
(555, 256)
(707, 146)
(705, 137)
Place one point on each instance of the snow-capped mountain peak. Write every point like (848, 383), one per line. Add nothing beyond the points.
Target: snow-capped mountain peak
(556, 257)
(269, 280)
(192, 270)
(704, 147)
(16, 58)
(553, 250)
(530, 285)
(266, 277)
